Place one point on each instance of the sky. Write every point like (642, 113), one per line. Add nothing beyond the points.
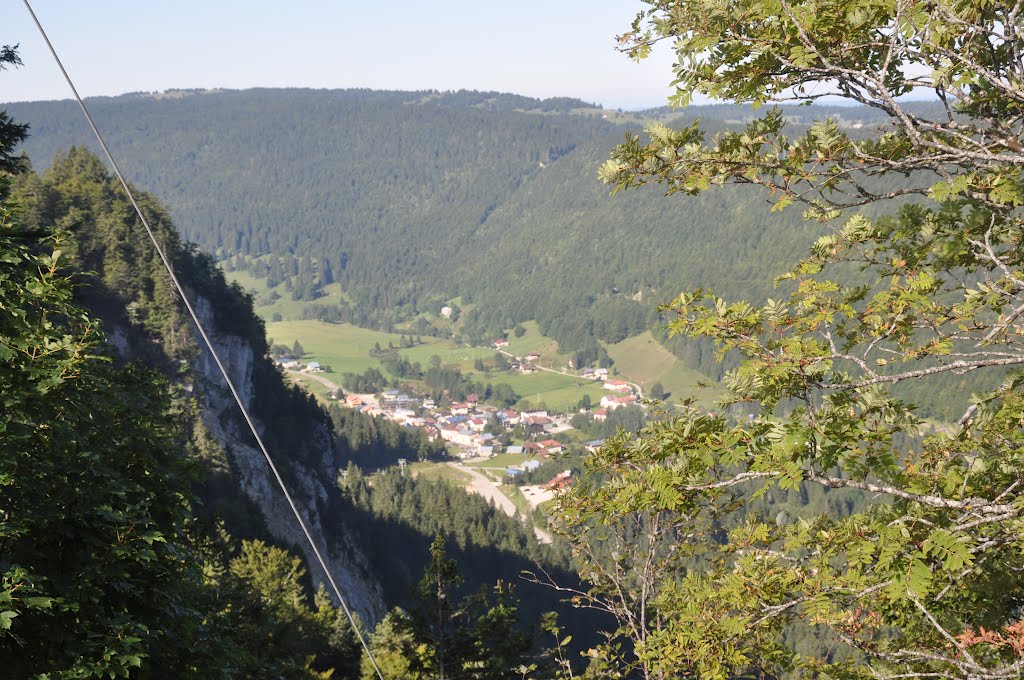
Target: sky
(538, 48)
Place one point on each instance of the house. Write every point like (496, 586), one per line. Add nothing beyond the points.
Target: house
(612, 403)
(587, 373)
(509, 416)
(601, 373)
(477, 424)
(514, 448)
(551, 446)
(601, 415)
(314, 367)
(429, 404)
(534, 414)
(594, 445)
(353, 401)
(533, 356)
(559, 481)
(617, 386)
(403, 415)
(532, 427)
(500, 343)
(460, 409)
(465, 453)
(513, 471)
(527, 368)
(398, 401)
(472, 399)
(486, 451)
(533, 448)
(458, 436)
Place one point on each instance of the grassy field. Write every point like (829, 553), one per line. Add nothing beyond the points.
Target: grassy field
(441, 471)
(449, 353)
(346, 349)
(502, 460)
(532, 341)
(643, 360)
(288, 309)
(314, 387)
(343, 347)
(563, 398)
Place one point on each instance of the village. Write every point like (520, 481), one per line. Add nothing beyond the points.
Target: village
(476, 431)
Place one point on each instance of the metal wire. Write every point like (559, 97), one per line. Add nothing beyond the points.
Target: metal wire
(206, 339)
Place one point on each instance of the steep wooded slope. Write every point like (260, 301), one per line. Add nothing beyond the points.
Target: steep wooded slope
(416, 197)
(413, 198)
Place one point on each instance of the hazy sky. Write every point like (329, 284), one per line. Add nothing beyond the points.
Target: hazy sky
(540, 48)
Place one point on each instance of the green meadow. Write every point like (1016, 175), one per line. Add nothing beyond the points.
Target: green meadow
(440, 471)
(343, 347)
(502, 461)
(284, 307)
(643, 360)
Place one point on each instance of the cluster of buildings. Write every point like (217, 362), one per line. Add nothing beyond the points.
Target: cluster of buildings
(467, 425)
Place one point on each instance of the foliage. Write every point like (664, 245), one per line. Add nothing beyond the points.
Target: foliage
(92, 528)
(627, 418)
(926, 580)
(11, 133)
(445, 636)
(103, 572)
(374, 442)
(106, 569)
(391, 514)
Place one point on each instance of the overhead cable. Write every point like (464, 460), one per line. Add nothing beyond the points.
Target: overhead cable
(202, 332)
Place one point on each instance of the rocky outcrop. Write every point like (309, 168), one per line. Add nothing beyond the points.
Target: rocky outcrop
(311, 486)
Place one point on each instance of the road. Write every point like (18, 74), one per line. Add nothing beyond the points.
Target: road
(483, 486)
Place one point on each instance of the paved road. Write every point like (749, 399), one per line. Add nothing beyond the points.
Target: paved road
(483, 486)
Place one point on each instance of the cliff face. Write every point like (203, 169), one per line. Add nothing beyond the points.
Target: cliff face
(311, 486)
(124, 284)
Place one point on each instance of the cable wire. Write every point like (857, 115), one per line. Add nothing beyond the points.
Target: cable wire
(195, 319)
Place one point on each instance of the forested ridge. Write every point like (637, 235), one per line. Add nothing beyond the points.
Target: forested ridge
(409, 199)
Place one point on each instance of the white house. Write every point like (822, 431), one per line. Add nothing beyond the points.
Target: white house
(617, 386)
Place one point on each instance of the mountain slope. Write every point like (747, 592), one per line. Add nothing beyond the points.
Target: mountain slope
(411, 199)
(400, 191)
(123, 282)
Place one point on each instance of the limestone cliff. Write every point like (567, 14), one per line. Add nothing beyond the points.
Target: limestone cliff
(311, 485)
